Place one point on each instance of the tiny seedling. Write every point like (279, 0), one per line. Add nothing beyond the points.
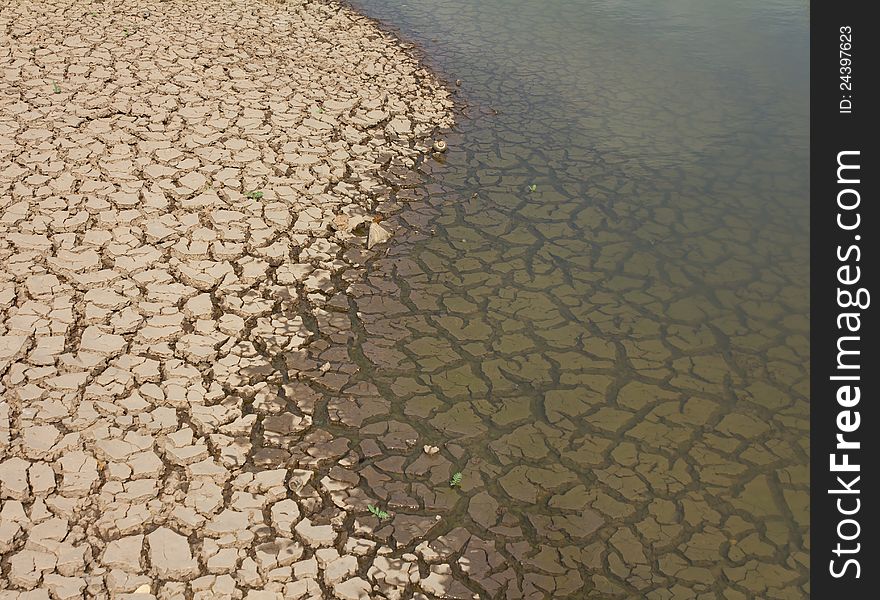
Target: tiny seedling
(56, 88)
(378, 512)
(533, 187)
(125, 32)
(254, 195)
(456, 480)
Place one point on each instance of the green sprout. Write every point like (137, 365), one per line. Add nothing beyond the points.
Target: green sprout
(533, 187)
(378, 512)
(56, 88)
(456, 480)
(254, 195)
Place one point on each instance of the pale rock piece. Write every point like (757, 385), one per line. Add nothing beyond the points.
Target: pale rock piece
(61, 587)
(248, 574)
(14, 479)
(170, 555)
(8, 533)
(71, 559)
(284, 514)
(393, 571)
(441, 583)
(306, 569)
(12, 348)
(355, 588)
(227, 522)
(340, 569)
(95, 339)
(359, 546)
(399, 126)
(42, 478)
(124, 553)
(302, 588)
(38, 440)
(27, 567)
(68, 382)
(325, 556)
(47, 350)
(231, 324)
(79, 472)
(67, 261)
(191, 182)
(206, 199)
(315, 536)
(145, 464)
(290, 274)
(42, 285)
(15, 213)
(224, 561)
(199, 306)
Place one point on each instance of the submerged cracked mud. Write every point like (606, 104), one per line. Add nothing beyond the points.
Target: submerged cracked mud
(602, 321)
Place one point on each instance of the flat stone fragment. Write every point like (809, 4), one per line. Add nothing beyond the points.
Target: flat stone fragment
(441, 583)
(353, 589)
(98, 341)
(14, 479)
(315, 536)
(125, 553)
(170, 555)
(284, 514)
(12, 347)
(339, 569)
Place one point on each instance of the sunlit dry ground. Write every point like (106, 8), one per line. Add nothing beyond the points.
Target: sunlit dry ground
(185, 191)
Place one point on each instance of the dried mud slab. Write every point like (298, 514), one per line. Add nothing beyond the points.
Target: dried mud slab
(186, 191)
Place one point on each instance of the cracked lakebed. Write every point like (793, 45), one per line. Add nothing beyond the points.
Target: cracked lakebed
(598, 307)
(187, 189)
(593, 307)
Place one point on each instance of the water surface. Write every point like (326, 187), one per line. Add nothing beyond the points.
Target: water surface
(600, 315)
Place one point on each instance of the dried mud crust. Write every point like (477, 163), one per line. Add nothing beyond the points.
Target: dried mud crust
(185, 188)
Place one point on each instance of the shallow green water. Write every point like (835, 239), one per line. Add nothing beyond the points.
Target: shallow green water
(616, 358)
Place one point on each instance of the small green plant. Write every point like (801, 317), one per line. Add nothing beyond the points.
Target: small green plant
(533, 188)
(125, 33)
(254, 195)
(378, 512)
(56, 88)
(456, 480)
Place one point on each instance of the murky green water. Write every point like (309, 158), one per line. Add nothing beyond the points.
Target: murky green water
(601, 312)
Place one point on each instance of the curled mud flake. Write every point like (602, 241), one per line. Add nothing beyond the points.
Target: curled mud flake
(377, 235)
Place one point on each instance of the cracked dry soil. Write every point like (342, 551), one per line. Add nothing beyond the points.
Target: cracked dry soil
(185, 192)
